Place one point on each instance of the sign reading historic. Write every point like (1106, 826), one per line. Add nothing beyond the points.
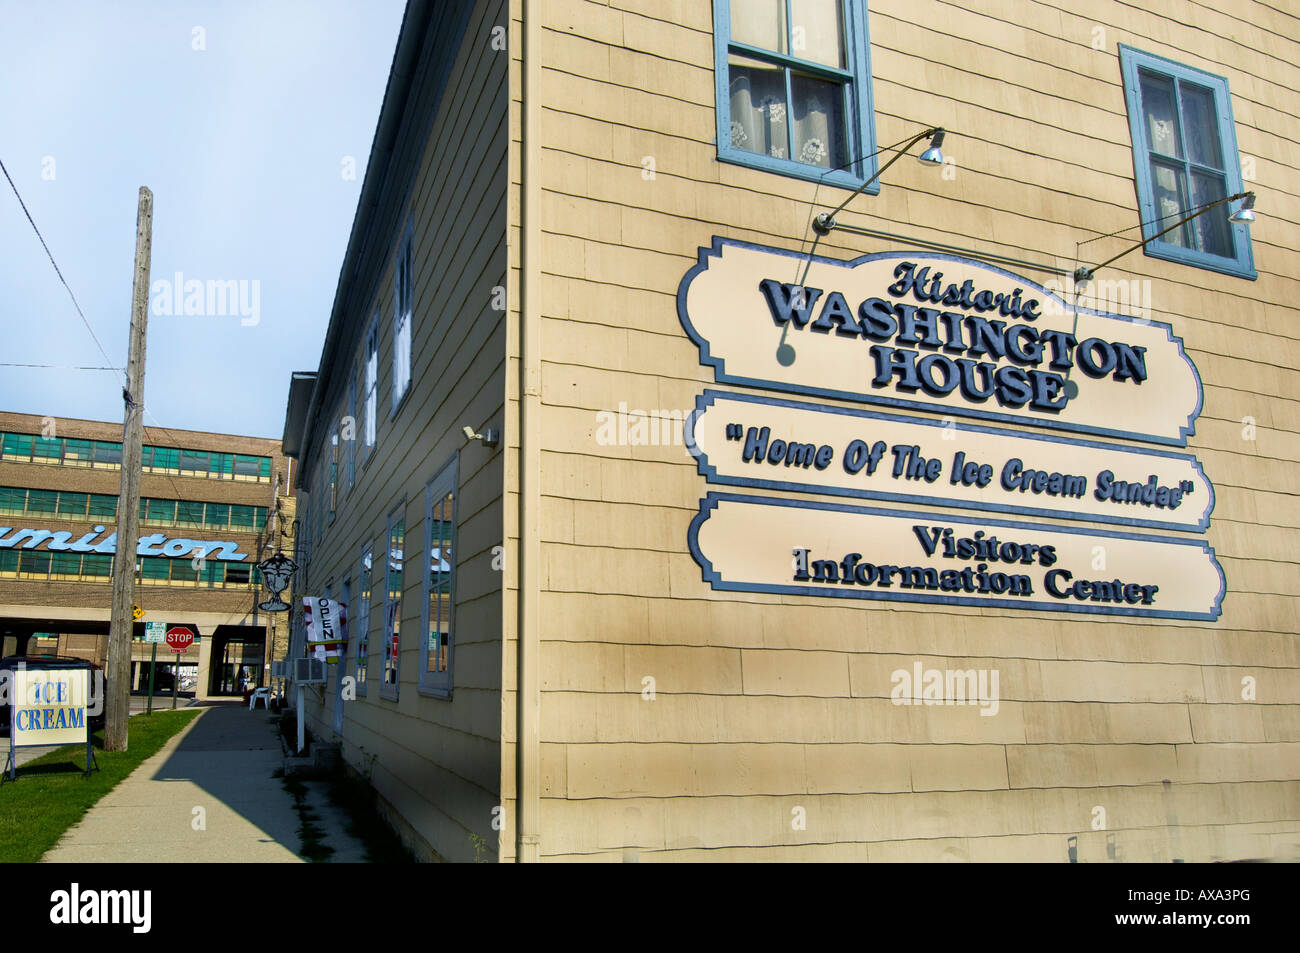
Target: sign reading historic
(773, 443)
(757, 544)
(935, 332)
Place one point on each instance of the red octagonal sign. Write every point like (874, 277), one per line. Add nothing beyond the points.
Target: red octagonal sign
(180, 637)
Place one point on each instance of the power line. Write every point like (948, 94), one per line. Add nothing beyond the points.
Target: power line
(111, 367)
(62, 367)
(50, 255)
(75, 304)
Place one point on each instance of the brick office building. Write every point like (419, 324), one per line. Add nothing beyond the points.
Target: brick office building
(210, 506)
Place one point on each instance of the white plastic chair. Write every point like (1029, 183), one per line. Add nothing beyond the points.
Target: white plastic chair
(263, 693)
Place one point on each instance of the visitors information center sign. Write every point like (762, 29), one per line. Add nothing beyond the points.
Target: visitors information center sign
(958, 387)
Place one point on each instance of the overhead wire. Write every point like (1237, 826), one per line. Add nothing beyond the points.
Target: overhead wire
(112, 367)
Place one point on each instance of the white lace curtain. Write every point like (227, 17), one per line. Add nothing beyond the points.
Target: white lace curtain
(1181, 134)
(762, 121)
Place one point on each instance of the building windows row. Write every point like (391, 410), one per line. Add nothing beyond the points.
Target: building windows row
(338, 465)
(438, 592)
(104, 454)
(336, 471)
(38, 564)
(100, 507)
(794, 97)
(201, 573)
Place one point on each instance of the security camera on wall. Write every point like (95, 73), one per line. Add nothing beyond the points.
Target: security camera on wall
(489, 437)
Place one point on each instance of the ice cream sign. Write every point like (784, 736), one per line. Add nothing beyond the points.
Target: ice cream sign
(780, 444)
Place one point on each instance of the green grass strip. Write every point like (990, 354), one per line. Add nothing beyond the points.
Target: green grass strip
(51, 796)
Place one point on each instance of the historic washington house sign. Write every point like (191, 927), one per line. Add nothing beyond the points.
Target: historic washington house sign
(945, 382)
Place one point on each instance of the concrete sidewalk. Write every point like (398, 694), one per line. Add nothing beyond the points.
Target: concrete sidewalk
(208, 795)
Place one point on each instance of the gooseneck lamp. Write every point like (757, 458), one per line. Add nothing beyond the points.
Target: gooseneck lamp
(825, 221)
(1243, 216)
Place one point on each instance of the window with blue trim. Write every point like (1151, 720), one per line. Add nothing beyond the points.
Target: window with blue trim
(439, 579)
(1185, 157)
(794, 88)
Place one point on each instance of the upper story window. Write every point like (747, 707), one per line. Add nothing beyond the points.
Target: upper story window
(106, 454)
(402, 319)
(372, 383)
(334, 472)
(794, 88)
(1185, 157)
(350, 431)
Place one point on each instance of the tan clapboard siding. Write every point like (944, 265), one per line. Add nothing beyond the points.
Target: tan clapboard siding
(1149, 845)
(652, 824)
(435, 763)
(763, 703)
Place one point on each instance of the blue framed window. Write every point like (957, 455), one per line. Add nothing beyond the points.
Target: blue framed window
(1184, 157)
(363, 618)
(350, 434)
(371, 385)
(393, 587)
(794, 88)
(439, 580)
(402, 314)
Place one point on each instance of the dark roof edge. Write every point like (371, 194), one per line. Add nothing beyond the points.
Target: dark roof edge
(301, 385)
(400, 81)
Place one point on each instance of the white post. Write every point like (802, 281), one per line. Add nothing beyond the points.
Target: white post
(300, 729)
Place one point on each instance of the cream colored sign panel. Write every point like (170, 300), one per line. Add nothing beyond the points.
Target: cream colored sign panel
(937, 332)
(50, 706)
(774, 443)
(753, 544)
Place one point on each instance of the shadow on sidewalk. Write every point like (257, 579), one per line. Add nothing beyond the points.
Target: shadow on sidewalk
(232, 755)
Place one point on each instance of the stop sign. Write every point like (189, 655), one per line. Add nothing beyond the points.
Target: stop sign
(180, 637)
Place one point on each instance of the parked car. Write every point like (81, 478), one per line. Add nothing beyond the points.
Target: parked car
(52, 662)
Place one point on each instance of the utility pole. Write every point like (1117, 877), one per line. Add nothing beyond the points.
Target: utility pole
(120, 629)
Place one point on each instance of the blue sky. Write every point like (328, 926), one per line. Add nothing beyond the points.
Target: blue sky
(245, 144)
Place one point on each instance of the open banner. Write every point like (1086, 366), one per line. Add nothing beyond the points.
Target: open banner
(327, 628)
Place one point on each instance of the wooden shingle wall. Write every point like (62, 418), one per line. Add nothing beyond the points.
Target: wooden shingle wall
(769, 706)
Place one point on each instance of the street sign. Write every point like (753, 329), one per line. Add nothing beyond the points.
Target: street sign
(180, 638)
(137, 613)
(155, 632)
